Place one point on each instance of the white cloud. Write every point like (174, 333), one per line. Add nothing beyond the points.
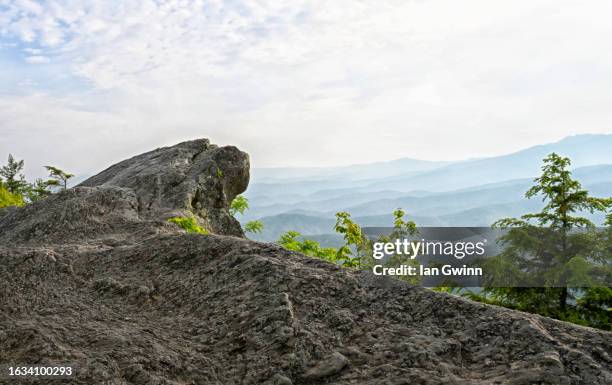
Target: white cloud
(33, 51)
(297, 82)
(37, 59)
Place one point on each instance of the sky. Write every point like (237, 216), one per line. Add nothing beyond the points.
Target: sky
(84, 84)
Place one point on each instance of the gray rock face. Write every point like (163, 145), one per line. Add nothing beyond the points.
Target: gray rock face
(96, 277)
(138, 195)
(330, 365)
(192, 176)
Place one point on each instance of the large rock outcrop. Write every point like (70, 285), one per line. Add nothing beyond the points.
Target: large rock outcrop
(192, 176)
(138, 195)
(97, 277)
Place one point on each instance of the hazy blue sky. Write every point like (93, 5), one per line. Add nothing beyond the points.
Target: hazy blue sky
(87, 83)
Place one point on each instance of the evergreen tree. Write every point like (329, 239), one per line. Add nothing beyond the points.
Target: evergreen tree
(550, 252)
(59, 177)
(14, 180)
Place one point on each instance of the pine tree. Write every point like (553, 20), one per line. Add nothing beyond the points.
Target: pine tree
(14, 180)
(550, 251)
(59, 177)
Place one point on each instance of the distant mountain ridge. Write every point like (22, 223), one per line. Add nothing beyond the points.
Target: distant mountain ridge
(353, 172)
(470, 192)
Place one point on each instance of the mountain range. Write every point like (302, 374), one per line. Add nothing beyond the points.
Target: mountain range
(472, 192)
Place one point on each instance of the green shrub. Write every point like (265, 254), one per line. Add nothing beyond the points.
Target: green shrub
(189, 224)
(292, 240)
(8, 199)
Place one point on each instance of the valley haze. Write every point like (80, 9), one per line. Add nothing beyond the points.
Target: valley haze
(473, 192)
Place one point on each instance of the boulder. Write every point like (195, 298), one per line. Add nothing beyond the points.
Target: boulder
(138, 195)
(194, 176)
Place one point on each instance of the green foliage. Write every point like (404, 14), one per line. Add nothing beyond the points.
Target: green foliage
(240, 204)
(9, 199)
(593, 308)
(11, 173)
(292, 240)
(37, 190)
(563, 195)
(401, 229)
(59, 177)
(14, 182)
(254, 227)
(446, 289)
(189, 224)
(551, 252)
(357, 249)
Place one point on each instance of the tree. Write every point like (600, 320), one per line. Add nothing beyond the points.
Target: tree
(37, 190)
(59, 177)
(551, 251)
(14, 179)
(401, 229)
(357, 249)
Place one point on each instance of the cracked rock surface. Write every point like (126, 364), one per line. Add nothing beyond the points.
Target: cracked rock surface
(97, 277)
